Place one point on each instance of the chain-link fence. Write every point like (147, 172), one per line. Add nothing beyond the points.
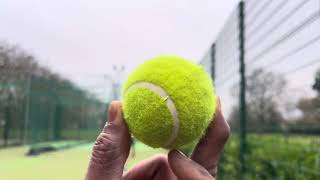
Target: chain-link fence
(39, 109)
(37, 105)
(266, 68)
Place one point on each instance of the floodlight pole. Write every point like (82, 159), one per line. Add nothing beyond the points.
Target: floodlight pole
(118, 70)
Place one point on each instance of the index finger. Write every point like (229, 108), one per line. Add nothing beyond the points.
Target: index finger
(208, 150)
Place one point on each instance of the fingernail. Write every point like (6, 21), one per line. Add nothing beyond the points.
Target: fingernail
(119, 111)
(179, 153)
(219, 102)
(113, 111)
(118, 119)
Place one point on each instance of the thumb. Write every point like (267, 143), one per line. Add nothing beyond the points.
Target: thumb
(185, 168)
(111, 148)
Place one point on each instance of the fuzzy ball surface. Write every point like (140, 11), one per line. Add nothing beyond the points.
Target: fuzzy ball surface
(168, 102)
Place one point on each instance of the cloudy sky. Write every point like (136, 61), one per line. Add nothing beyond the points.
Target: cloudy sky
(83, 39)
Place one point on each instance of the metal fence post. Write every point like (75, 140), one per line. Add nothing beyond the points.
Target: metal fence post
(213, 61)
(27, 110)
(242, 97)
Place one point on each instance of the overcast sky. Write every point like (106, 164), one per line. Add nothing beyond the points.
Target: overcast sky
(85, 38)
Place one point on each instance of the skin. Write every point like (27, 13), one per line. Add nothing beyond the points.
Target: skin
(112, 147)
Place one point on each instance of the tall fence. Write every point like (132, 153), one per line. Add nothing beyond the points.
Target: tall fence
(37, 109)
(265, 63)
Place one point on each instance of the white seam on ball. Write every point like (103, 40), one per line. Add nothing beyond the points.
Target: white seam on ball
(174, 113)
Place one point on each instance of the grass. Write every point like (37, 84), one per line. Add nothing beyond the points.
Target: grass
(273, 156)
(65, 164)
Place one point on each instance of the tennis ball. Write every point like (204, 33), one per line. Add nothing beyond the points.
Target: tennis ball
(168, 102)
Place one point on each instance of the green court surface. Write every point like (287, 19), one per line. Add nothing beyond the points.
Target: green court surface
(64, 164)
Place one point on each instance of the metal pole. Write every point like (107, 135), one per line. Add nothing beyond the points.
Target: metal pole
(117, 76)
(242, 98)
(213, 61)
(26, 118)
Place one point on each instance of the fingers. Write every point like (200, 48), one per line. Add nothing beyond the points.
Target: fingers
(208, 150)
(185, 168)
(111, 148)
(155, 168)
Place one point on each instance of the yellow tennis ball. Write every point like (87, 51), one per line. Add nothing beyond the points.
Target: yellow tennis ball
(168, 102)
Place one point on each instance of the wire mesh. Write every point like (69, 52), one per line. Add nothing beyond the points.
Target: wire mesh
(282, 70)
(37, 105)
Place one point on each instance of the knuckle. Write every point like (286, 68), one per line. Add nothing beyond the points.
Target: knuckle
(105, 149)
(105, 141)
(109, 126)
(161, 159)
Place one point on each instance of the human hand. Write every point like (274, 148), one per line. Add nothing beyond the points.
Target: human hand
(112, 147)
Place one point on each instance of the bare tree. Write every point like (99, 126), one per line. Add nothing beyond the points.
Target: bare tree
(15, 67)
(264, 89)
(310, 107)
(51, 104)
(316, 85)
